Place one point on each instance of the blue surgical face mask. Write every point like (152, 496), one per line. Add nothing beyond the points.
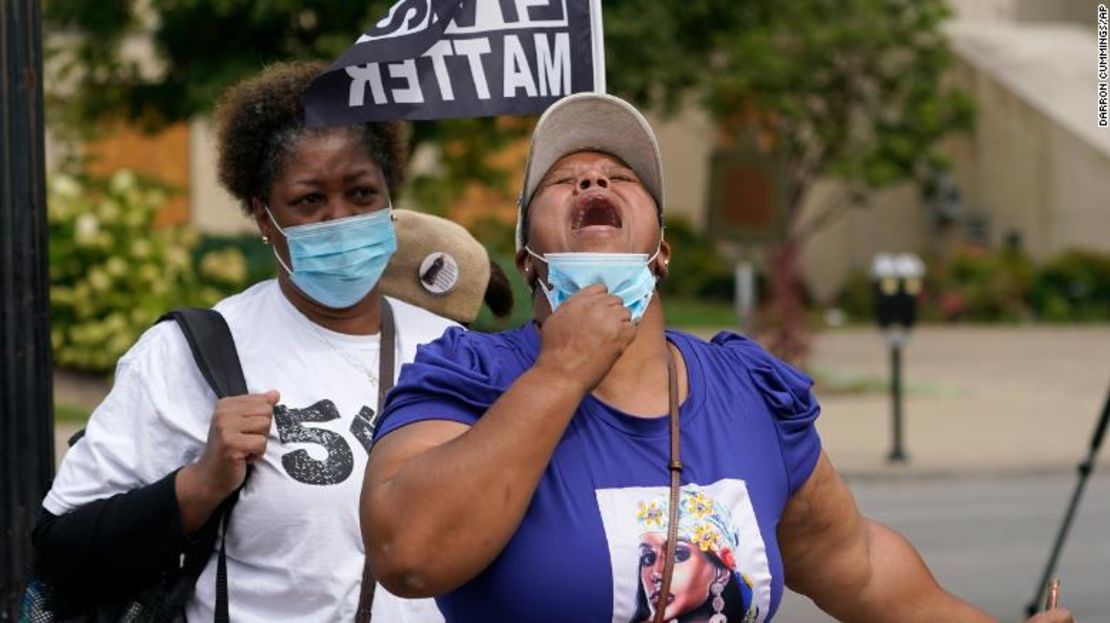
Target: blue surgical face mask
(338, 262)
(625, 275)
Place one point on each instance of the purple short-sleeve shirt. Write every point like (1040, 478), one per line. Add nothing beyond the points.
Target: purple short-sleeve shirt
(588, 546)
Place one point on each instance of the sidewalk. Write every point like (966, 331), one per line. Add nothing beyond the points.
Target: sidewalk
(979, 399)
(79, 391)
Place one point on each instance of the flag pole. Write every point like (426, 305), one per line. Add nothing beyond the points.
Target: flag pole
(597, 39)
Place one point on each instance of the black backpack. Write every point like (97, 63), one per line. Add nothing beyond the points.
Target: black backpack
(214, 351)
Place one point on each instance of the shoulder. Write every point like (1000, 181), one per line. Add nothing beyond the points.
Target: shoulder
(462, 371)
(786, 389)
(464, 356)
(788, 394)
(165, 342)
(244, 307)
(475, 350)
(160, 343)
(161, 366)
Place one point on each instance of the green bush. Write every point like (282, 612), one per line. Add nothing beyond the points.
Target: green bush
(522, 298)
(981, 286)
(1002, 286)
(697, 270)
(1073, 287)
(498, 236)
(857, 298)
(231, 262)
(112, 273)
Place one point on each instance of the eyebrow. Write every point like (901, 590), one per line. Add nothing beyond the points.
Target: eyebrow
(315, 183)
(357, 174)
(608, 166)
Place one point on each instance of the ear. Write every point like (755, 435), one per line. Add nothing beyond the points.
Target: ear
(258, 212)
(663, 260)
(526, 267)
(721, 575)
(727, 557)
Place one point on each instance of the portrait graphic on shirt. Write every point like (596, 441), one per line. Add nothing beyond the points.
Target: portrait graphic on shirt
(720, 572)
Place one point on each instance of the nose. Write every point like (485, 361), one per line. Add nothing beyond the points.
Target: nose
(592, 178)
(657, 568)
(342, 207)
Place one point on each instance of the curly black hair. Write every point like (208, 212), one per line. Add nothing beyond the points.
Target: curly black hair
(261, 119)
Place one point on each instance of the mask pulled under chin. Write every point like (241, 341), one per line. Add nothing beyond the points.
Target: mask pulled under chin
(625, 275)
(337, 263)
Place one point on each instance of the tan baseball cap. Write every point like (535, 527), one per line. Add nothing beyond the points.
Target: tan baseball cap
(591, 122)
(438, 265)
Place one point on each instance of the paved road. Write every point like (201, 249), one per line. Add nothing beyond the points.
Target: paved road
(987, 538)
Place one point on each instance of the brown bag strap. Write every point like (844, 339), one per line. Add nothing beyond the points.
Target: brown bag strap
(387, 355)
(675, 468)
(387, 358)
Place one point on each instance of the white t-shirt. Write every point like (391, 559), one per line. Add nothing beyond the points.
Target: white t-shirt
(294, 548)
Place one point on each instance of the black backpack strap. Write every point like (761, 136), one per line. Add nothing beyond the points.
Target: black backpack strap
(213, 348)
(214, 351)
(222, 614)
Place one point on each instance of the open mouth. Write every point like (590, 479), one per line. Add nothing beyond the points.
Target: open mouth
(654, 598)
(595, 211)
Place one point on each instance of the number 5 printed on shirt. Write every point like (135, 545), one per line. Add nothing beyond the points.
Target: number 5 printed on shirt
(336, 467)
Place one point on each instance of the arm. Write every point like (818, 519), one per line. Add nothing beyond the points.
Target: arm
(859, 570)
(856, 569)
(472, 485)
(106, 549)
(109, 548)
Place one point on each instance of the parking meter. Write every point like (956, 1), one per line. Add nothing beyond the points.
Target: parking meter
(897, 284)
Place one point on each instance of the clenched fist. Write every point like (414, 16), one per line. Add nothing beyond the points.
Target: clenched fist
(236, 436)
(585, 336)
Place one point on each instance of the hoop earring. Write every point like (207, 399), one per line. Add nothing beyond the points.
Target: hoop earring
(717, 588)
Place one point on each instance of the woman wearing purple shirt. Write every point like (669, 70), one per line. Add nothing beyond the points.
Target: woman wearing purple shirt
(526, 475)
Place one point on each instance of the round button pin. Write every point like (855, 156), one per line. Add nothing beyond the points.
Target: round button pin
(439, 273)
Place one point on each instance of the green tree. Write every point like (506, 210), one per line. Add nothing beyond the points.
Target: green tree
(850, 89)
(203, 46)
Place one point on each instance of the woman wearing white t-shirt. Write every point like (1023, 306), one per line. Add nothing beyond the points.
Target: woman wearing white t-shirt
(170, 453)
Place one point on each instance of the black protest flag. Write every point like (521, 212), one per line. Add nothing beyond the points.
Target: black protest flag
(444, 59)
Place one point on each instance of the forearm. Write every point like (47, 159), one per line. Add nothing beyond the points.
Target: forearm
(196, 502)
(471, 491)
(107, 548)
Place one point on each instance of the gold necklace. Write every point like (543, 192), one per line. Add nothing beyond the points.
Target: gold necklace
(367, 372)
